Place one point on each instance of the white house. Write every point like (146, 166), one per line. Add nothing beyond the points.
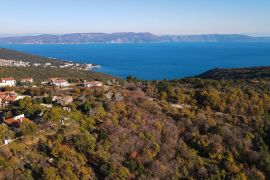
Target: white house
(36, 64)
(59, 82)
(92, 84)
(7, 141)
(19, 117)
(48, 64)
(4, 82)
(27, 80)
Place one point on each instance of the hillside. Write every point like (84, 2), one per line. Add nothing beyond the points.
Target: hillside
(20, 56)
(238, 73)
(81, 38)
(184, 129)
(41, 74)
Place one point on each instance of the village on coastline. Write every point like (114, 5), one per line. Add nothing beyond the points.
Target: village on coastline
(59, 64)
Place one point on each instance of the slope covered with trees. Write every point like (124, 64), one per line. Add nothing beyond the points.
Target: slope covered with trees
(43, 73)
(20, 56)
(238, 73)
(189, 129)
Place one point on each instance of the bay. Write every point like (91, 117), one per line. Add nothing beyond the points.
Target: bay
(151, 61)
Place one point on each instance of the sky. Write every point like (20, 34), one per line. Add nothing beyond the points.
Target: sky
(20, 17)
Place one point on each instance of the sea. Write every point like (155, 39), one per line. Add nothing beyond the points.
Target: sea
(155, 61)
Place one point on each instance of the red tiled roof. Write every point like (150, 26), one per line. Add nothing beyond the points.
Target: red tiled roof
(7, 79)
(13, 122)
(26, 79)
(56, 79)
(10, 98)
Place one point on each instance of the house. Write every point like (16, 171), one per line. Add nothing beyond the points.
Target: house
(7, 141)
(17, 120)
(9, 97)
(92, 84)
(56, 98)
(36, 64)
(47, 64)
(59, 82)
(65, 100)
(5, 82)
(46, 105)
(26, 80)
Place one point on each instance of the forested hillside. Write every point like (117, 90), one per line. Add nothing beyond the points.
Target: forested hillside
(238, 73)
(43, 73)
(20, 56)
(184, 129)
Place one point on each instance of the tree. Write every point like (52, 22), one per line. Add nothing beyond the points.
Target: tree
(163, 96)
(165, 86)
(28, 128)
(54, 114)
(29, 108)
(5, 132)
(209, 98)
(132, 79)
(48, 100)
(50, 173)
(84, 143)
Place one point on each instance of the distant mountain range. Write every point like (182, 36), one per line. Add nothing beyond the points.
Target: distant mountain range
(130, 37)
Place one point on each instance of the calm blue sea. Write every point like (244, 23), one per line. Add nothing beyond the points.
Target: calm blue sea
(157, 61)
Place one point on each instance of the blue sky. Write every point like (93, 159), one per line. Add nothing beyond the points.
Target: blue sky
(156, 16)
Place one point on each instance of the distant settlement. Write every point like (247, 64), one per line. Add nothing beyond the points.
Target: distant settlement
(64, 64)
